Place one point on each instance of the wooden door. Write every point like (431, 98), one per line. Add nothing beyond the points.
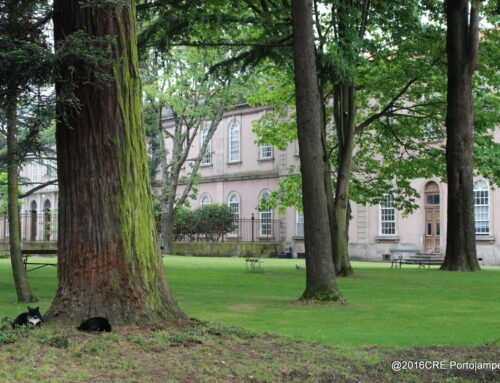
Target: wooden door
(432, 229)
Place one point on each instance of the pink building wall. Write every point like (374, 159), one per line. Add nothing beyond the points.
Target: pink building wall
(250, 176)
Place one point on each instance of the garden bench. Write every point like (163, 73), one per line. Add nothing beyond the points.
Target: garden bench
(403, 254)
(27, 253)
(415, 257)
(255, 264)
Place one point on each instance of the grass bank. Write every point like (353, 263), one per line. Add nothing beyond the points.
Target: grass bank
(408, 307)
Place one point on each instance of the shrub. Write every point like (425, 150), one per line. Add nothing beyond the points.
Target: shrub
(207, 223)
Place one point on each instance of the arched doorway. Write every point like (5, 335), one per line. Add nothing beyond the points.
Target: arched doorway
(33, 220)
(46, 220)
(432, 233)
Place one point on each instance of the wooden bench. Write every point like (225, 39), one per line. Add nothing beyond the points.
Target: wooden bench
(415, 257)
(255, 264)
(403, 254)
(27, 253)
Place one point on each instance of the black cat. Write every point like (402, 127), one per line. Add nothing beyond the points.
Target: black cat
(95, 324)
(32, 318)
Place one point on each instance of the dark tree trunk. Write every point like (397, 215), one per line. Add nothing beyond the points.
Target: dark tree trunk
(345, 118)
(320, 275)
(462, 49)
(109, 262)
(23, 289)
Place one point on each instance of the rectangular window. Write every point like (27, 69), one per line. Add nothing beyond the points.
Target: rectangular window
(265, 224)
(388, 217)
(266, 152)
(234, 142)
(433, 199)
(482, 207)
(299, 226)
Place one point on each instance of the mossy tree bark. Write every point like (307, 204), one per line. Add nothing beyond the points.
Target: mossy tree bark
(23, 288)
(108, 261)
(462, 47)
(320, 274)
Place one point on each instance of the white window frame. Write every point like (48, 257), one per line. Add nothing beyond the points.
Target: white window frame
(234, 200)
(205, 200)
(299, 223)
(265, 218)
(482, 196)
(234, 142)
(385, 212)
(266, 152)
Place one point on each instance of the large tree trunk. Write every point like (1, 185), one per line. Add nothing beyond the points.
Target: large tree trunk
(320, 274)
(108, 262)
(462, 49)
(344, 115)
(23, 289)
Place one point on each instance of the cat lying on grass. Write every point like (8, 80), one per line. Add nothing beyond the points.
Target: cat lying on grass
(32, 318)
(95, 324)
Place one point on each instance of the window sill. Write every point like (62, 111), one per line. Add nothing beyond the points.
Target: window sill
(265, 159)
(387, 238)
(206, 165)
(298, 237)
(485, 238)
(234, 163)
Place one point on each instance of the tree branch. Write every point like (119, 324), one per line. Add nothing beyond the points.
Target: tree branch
(473, 43)
(39, 187)
(364, 18)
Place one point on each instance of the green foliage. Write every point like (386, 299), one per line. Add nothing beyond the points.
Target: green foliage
(403, 44)
(486, 107)
(206, 223)
(3, 193)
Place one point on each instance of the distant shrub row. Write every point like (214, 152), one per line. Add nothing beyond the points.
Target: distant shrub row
(206, 223)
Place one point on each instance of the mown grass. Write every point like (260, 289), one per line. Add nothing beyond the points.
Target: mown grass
(407, 307)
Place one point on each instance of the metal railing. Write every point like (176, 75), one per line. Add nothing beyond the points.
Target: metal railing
(43, 227)
(244, 230)
(34, 227)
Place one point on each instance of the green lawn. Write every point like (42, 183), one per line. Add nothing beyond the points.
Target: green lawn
(407, 307)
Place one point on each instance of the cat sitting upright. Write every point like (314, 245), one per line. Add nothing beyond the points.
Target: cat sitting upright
(32, 318)
(95, 324)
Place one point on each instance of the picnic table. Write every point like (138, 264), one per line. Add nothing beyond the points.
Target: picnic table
(254, 264)
(414, 257)
(26, 253)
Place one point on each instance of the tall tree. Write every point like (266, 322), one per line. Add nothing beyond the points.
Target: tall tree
(181, 83)
(462, 46)
(320, 275)
(25, 66)
(108, 260)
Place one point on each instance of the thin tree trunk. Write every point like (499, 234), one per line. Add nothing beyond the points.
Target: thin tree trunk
(320, 274)
(462, 49)
(344, 114)
(109, 262)
(23, 288)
